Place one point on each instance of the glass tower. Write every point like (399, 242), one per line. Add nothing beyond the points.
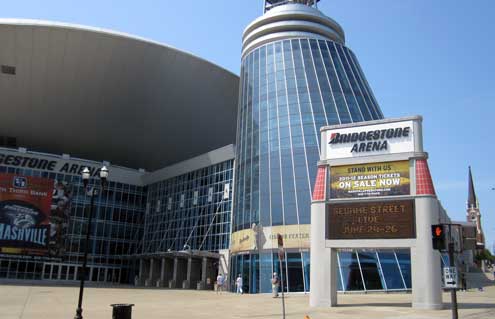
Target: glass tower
(297, 75)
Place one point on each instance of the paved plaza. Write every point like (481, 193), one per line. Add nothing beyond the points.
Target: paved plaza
(49, 302)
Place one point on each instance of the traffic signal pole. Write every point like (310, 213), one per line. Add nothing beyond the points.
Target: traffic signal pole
(453, 291)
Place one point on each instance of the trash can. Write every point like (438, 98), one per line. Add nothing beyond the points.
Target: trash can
(122, 311)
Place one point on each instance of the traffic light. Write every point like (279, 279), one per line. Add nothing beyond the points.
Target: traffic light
(438, 236)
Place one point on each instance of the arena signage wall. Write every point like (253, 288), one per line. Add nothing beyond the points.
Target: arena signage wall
(379, 195)
(295, 236)
(52, 165)
(72, 166)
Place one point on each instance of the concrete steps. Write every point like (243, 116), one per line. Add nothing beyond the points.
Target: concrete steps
(479, 279)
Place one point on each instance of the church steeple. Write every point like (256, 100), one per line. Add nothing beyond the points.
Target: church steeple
(473, 214)
(472, 201)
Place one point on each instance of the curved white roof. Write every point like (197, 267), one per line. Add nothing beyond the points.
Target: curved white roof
(105, 95)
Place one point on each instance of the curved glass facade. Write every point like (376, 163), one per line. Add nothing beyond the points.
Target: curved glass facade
(289, 90)
(359, 270)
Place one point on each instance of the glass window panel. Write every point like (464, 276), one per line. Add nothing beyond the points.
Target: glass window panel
(404, 258)
(391, 271)
(349, 268)
(370, 270)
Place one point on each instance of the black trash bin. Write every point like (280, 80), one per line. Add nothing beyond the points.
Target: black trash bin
(122, 311)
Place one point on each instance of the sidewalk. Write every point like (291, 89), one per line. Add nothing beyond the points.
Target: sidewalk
(25, 302)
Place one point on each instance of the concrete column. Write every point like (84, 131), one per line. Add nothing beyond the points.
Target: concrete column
(152, 273)
(144, 271)
(182, 271)
(196, 272)
(148, 279)
(204, 269)
(155, 272)
(166, 271)
(187, 283)
(323, 291)
(425, 262)
(173, 282)
(140, 275)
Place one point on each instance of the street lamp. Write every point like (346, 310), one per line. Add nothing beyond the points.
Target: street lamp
(86, 174)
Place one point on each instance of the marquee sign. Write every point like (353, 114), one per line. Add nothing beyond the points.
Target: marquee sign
(370, 180)
(371, 220)
(377, 139)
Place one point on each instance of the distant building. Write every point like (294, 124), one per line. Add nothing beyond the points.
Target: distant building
(473, 213)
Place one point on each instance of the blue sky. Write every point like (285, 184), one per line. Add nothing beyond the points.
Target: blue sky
(432, 58)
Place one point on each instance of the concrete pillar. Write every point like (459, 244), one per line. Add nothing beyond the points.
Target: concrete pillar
(166, 271)
(140, 274)
(323, 277)
(209, 270)
(193, 274)
(144, 271)
(187, 283)
(173, 282)
(425, 262)
(154, 272)
(180, 272)
(147, 280)
(182, 268)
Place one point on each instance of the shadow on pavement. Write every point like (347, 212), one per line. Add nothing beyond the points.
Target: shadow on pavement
(378, 304)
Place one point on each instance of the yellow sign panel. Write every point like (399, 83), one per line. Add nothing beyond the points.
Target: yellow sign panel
(243, 240)
(369, 180)
(295, 236)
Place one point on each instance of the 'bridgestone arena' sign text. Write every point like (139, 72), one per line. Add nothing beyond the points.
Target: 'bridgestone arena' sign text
(370, 140)
(387, 138)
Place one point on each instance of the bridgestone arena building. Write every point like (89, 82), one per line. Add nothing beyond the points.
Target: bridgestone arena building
(206, 167)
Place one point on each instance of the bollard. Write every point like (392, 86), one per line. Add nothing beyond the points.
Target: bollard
(122, 311)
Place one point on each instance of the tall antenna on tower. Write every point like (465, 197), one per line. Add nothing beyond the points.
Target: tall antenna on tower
(270, 4)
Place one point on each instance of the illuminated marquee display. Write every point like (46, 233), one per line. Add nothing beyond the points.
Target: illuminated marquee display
(371, 220)
(370, 180)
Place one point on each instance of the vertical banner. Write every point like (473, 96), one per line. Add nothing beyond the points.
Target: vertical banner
(25, 209)
(195, 198)
(169, 203)
(210, 194)
(59, 217)
(226, 191)
(182, 199)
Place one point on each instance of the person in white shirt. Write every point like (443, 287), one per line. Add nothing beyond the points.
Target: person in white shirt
(238, 283)
(275, 285)
(220, 283)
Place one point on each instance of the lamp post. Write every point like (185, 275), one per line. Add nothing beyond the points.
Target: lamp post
(85, 177)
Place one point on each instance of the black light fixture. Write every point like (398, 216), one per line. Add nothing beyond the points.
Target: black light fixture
(86, 175)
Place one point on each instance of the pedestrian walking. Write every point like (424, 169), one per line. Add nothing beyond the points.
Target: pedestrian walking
(238, 283)
(220, 282)
(275, 285)
(463, 282)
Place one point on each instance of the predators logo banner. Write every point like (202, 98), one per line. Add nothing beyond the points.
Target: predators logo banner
(370, 180)
(25, 208)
